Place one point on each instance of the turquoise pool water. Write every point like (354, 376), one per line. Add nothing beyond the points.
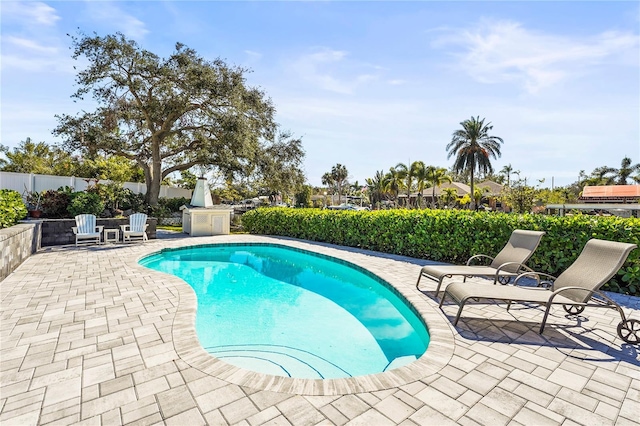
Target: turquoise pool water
(287, 312)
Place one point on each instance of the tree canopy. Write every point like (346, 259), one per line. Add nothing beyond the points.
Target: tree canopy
(38, 158)
(167, 115)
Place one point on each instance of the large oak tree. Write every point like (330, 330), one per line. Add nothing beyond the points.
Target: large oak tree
(166, 114)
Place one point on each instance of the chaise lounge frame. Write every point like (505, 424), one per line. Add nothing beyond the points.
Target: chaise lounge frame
(508, 263)
(576, 288)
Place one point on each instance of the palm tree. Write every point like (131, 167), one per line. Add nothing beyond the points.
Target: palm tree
(478, 194)
(408, 173)
(601, 176)
(449, 195)
(436, 176)
(376, 187)
(507, 170)
(393, 182)
(327, 180)
(625, 171)
(421, 180)
(473, 146)
(336, 179)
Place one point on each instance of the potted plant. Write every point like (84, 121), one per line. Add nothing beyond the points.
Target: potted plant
(32, 200)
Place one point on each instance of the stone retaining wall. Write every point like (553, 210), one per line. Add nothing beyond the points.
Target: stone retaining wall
(17, 243)
(56, 232)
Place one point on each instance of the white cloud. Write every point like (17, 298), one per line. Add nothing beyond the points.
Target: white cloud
(23, 43)
(326, 68)
(30, 12)
(117, 18)
(30, 40)
(505, 51)
(42, 64)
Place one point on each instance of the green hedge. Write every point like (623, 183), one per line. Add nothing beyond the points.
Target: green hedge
(454, 235)
(12, 208)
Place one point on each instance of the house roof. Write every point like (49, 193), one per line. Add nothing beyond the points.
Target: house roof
(494, 188)
(611, 193)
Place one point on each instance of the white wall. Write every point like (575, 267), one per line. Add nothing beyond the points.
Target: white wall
(31, 182)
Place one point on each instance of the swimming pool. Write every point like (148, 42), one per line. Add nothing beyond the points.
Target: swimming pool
(289, 312)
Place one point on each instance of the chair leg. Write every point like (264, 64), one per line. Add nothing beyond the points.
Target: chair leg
(544, 318)
(438, 287)
(418, 282)
(462, 302)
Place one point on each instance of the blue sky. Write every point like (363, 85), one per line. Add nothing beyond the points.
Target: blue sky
(372, 84)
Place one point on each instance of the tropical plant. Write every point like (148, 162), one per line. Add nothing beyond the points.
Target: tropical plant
(421, 182)
(33, 200)
(478, 193)
(473, 147)
(376, 187)
(393, 183)
(507, 171)
(12, 208)
(407, 173)
(336, 179)
(626, 170)
(56, 203)
(603, 175)
(436, 176)
(449, 196)
(327, 180)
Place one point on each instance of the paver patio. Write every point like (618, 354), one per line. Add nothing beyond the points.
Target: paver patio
(90, 337)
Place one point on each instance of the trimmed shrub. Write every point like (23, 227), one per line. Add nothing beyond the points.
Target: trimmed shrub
(455, 235)
(85, 203)
(12, 208)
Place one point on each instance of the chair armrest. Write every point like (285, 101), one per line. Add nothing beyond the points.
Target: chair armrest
(125, 228)
(74, 229)
(145, 226)
(548, 283)
(590, 292)
(521, 266)
(100, 228)
(477, 256)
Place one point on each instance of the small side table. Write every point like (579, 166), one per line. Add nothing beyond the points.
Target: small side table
(111, 235)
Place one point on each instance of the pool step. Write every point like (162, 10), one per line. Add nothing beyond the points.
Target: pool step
(278, 360)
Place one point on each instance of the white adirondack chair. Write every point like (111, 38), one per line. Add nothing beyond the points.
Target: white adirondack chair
(86, 230)
(135, 229)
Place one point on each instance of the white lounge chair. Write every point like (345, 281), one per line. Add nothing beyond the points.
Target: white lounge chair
(86, 229)
(136, 229)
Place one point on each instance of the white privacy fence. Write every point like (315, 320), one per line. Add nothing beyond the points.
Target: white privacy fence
(31, 182)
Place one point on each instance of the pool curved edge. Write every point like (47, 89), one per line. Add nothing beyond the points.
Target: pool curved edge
(437, 355)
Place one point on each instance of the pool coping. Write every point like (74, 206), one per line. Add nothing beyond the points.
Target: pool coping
(187, 346)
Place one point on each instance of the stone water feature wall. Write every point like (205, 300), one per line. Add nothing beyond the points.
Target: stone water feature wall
(17, 243)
